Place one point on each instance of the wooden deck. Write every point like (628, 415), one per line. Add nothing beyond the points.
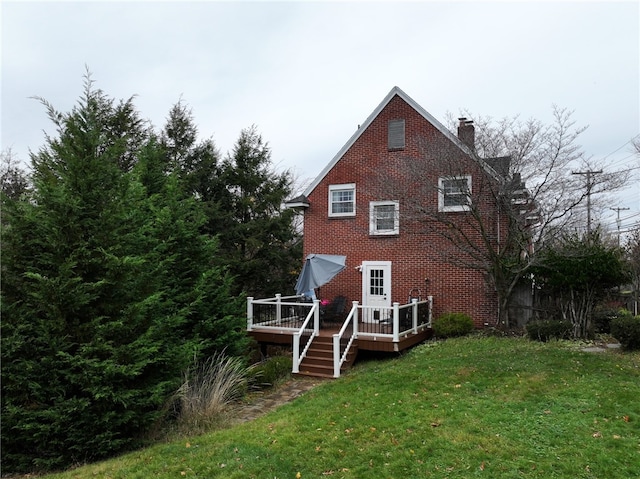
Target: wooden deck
(324, 347)
(377, 339)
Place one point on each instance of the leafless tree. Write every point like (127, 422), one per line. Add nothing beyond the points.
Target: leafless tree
(635, 141)
(14, 180)
(526, 188)
(567, 185)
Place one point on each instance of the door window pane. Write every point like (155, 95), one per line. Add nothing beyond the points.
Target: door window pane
(376, 282)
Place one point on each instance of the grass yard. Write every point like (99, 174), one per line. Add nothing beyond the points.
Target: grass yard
(462, 408)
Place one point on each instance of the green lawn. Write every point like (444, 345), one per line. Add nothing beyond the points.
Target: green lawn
(462, 408)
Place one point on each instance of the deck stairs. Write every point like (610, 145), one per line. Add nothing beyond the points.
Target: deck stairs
(319, 359)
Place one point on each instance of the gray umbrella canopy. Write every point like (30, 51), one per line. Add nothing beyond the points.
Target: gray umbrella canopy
(319, 269)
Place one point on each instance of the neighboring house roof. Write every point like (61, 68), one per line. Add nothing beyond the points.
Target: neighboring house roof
(362, 128)
(500, 164)
(298, 202)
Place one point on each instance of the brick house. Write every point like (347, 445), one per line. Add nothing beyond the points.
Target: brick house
(383, 200)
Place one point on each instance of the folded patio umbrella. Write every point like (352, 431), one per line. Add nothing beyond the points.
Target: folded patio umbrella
(319, 269)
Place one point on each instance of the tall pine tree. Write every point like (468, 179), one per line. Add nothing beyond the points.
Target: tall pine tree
(197, 164)
(109, 289)
(259, 238)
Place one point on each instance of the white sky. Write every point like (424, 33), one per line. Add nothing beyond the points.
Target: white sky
(307, 73)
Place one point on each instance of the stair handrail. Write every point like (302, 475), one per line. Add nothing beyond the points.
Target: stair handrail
(297, 357)
(339, 359)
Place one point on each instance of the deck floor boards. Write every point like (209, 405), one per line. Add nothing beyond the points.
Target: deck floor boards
(365, 341)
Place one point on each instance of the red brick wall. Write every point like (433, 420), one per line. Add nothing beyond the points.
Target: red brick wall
(409, 176)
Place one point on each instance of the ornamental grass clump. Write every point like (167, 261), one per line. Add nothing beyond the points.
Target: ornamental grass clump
(207, 389)
(450, 325)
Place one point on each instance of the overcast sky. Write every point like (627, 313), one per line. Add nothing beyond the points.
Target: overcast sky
(307, 73)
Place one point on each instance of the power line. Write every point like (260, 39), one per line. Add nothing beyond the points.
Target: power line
(618, 210)
(588, 173)
(619, 148)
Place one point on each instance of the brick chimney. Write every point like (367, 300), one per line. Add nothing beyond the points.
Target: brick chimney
(467, 133)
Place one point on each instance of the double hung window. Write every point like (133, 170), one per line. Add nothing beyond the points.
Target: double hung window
(384, 218)
(342, 200)
(454, 193)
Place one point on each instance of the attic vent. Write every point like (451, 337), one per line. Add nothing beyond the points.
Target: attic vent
(396, 134)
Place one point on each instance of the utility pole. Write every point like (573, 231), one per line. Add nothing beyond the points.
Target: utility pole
(589, 173)
(618, 210)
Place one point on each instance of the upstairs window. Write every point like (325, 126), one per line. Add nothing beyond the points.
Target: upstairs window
(384, 218)
(454, 193)
(342, 200)
(396, 135)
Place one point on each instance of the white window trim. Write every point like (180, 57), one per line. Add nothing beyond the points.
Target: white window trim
(372, 218)
(346, 186)
(441, 206)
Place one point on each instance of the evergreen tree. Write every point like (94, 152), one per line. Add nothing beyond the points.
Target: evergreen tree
(242, 198)
(84, 365)
(259, 240)
(109, 289)
(195, 287)
(577, 271)
(197, 164)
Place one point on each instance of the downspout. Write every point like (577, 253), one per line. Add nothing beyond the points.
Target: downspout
(499, 231)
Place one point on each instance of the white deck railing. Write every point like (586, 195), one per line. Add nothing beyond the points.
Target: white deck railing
(283, 313)
(314, 314)
(301, 319)
(396, 321)
(340, 354)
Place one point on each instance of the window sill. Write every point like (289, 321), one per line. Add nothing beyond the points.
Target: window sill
(454, 209)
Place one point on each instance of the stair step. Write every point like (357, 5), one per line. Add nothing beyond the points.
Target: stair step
(314, 374)
(314, 356)
(317, 368)
(319, 359)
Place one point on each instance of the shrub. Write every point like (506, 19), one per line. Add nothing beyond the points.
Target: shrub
(601, 319)
(626, 329)
(449, 325)
(544, 330)
(271, 371)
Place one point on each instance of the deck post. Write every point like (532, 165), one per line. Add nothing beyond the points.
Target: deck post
(336, 355)
(414, 315)
(278, 308)
(296, 353)
(249, 313)
(430, 298)
(396, 322)
(355, 318)
(316, 316)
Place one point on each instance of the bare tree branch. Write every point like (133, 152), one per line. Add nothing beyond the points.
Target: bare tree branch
(523, 192)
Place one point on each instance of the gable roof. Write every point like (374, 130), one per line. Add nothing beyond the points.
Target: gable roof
(361, 129)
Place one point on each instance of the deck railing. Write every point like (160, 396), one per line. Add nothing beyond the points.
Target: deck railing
(304, 335)
(343, 339)
(280, 312)
(302, 320)
(396, 321)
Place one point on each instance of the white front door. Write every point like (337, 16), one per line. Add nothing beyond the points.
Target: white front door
(376, 290)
